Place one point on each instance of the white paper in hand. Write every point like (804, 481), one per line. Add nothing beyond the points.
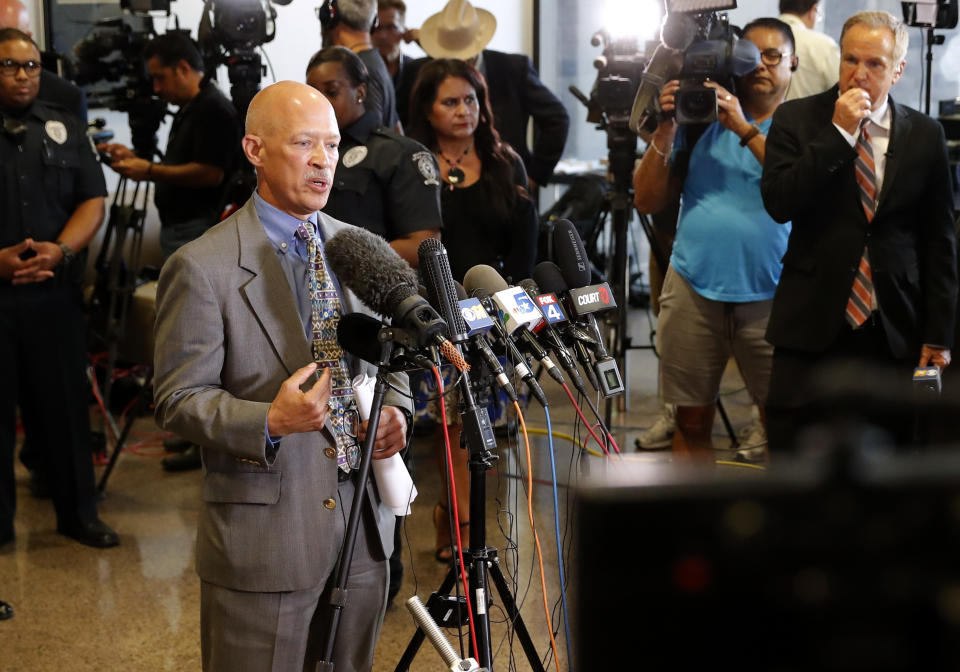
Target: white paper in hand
(393, 480)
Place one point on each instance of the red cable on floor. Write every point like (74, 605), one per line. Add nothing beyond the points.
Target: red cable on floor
(586, 422)
(453, 502)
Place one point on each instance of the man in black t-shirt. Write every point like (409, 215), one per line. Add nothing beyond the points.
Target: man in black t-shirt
(203, 149)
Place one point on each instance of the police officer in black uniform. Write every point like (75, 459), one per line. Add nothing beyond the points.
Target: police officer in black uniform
(51, 204)
(384, 182)
(204, 145)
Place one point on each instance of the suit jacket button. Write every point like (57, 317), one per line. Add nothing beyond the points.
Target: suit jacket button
(330, 452)
(329, 504)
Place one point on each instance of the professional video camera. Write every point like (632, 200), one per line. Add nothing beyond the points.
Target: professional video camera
(229, 34)
(113, 52)
(697, 43)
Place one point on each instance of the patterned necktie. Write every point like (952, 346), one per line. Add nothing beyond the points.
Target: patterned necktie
(860, 303)
(325, 315)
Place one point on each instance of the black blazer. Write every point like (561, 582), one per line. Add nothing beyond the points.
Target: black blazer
(516, 94)
(808, 178)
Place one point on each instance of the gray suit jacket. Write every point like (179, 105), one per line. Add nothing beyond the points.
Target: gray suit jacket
(227, 335)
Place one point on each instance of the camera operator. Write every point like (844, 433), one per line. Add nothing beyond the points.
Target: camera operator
(51, 204)
(203, 150)
(203, 146)
(347, 23)
(726, 258)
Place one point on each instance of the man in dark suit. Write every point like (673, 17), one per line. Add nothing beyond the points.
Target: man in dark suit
(869, 275)
(236, 374)
(516, 93)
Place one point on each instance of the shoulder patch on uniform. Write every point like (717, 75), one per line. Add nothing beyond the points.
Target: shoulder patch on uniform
(354, 156)
(56, 130)
(427, 167)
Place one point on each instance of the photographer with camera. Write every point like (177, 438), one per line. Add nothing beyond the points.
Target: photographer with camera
(726, 258)
(201, 152)
(51, 205)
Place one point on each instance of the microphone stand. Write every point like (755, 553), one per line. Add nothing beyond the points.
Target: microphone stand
(481, 559)
(338, 597)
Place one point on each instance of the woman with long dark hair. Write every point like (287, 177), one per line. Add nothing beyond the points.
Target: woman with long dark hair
(488, 217)
(487, 214)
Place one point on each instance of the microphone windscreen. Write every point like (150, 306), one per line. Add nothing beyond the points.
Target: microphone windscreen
(435, 268)
(678, 31)
(461, 292)
(365, 263)
(485, 277)
(570, 254)
(357, 334)
(745, 58)
(547, 274)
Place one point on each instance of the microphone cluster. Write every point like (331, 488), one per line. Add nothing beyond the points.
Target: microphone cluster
(552, 314)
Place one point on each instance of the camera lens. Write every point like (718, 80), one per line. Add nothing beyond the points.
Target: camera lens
(697, 104)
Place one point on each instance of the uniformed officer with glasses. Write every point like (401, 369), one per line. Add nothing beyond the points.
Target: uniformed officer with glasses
(51, 204)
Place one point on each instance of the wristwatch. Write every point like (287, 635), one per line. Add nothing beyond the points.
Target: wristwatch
(68, 254)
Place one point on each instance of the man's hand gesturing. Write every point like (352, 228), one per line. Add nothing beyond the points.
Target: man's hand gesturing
(293, 411)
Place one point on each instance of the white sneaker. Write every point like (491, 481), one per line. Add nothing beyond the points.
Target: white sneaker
(660, 434)
(753, 445)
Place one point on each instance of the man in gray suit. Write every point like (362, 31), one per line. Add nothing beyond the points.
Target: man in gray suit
(235, 374)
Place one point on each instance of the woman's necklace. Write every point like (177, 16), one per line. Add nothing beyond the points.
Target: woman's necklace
(455, 175)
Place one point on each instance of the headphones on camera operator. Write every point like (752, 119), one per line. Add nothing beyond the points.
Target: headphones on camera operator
(329, 15)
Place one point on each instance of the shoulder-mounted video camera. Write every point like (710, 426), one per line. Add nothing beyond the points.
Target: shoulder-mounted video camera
(697, 43)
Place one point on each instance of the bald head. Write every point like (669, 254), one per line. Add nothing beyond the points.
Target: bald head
(13, 14)
(292, 140)
(271, 105)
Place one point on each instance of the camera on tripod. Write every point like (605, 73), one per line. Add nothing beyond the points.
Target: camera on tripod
(113, 52)
(697, 43)
(229, 34)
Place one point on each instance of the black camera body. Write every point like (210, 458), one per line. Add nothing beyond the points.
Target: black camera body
(113, 54)
(695, 46)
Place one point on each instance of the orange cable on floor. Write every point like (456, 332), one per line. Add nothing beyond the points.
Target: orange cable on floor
(536, 537)
(456, 513)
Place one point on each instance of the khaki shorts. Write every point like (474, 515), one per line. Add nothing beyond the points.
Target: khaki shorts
(696, 337)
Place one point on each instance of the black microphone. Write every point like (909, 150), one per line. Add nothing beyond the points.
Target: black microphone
(488, 278)
(548, 276)
(435, 268)
(442, 292)
(360, 335)
(384, 282)
(574, 264)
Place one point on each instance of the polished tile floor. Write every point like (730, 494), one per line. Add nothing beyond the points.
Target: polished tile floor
(136, 607)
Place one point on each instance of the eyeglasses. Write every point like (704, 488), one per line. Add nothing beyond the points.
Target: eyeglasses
(772, 56)
(10, 67)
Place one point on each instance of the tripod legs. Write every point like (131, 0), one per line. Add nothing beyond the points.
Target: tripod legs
(449, 615)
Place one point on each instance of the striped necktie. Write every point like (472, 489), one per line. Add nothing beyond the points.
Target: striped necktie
(325, 315)
(860, 303)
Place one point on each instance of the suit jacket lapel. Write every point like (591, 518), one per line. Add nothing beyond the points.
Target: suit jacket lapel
(275, 310)
(899, 132)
